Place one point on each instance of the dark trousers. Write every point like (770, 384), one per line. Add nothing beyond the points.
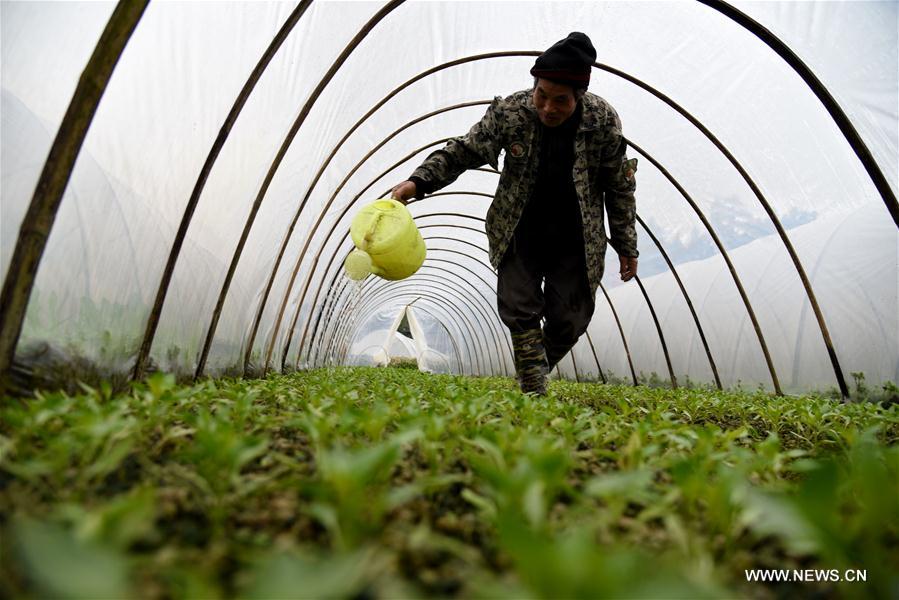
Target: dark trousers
(531, 287)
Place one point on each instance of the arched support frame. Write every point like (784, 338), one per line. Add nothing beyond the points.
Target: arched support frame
(22, 285)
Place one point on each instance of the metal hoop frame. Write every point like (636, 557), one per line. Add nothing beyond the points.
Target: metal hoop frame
(370, 304)
(28, 252)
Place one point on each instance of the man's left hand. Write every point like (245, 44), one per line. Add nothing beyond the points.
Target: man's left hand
(628, 268)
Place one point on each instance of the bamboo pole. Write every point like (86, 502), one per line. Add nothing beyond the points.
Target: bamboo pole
(57, 171)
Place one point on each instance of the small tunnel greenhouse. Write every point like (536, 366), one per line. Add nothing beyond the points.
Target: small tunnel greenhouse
(199, 402)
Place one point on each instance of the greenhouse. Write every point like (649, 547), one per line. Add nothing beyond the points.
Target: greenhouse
(199, 401)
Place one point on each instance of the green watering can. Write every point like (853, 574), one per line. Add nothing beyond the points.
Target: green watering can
(387, 241)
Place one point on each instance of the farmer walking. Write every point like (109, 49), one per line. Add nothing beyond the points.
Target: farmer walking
(564, 160)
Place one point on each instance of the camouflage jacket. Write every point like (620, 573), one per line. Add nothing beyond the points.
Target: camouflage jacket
(603, 176)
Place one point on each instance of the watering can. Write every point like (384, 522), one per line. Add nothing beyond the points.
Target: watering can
(387, 241)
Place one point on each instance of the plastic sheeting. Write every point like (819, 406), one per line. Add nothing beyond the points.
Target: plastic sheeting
(856, 285)
(186, 62)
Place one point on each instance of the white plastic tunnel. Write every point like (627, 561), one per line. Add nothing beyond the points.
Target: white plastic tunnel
(202, 219)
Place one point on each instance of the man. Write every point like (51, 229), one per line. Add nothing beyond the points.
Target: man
(564, 161)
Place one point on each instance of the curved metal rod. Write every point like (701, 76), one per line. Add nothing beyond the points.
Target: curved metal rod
(326, 342)
(659, 329)
(276, 163)
(344, 349)
(800, 270)
(756, 191)
(330, 157)
(668, 261)
(680, 284)
(161, 292)
(558, 369)
(433, 279)
(496, 328)
(818, 88)
(496, 323)
(315, 227)
(420, 227)
(332, 283)
(645, 296)
(309, 278)
(627, 352)
(377, 299)
(432, 259)
(577, 376)
(55, 174)
(599, 368)
(652, 309)
(336, 302)
(724, 254)
(499, 324)
(483, 314)
(456, 293)
(683, 290)
(435, 283)
(321, 248)
(773, 217)
(486, 283)
(321, 217)
(480, 219)
(655, 240)
(602, 375)
(674, 272)
(365, 305)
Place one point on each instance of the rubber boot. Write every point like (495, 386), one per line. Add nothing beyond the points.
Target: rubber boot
(530, 361)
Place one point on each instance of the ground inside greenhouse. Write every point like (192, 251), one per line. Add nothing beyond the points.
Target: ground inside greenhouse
(385, 483)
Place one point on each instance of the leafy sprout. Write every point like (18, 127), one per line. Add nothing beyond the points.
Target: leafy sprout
(394, 483)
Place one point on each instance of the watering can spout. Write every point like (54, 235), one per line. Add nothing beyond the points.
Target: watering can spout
(359, 265)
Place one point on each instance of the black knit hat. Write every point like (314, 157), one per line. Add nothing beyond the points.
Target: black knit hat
(568, 61)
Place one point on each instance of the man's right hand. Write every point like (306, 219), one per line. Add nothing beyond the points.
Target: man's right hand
(404, 191)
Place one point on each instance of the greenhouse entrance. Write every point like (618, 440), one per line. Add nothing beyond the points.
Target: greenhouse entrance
(403, 339)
